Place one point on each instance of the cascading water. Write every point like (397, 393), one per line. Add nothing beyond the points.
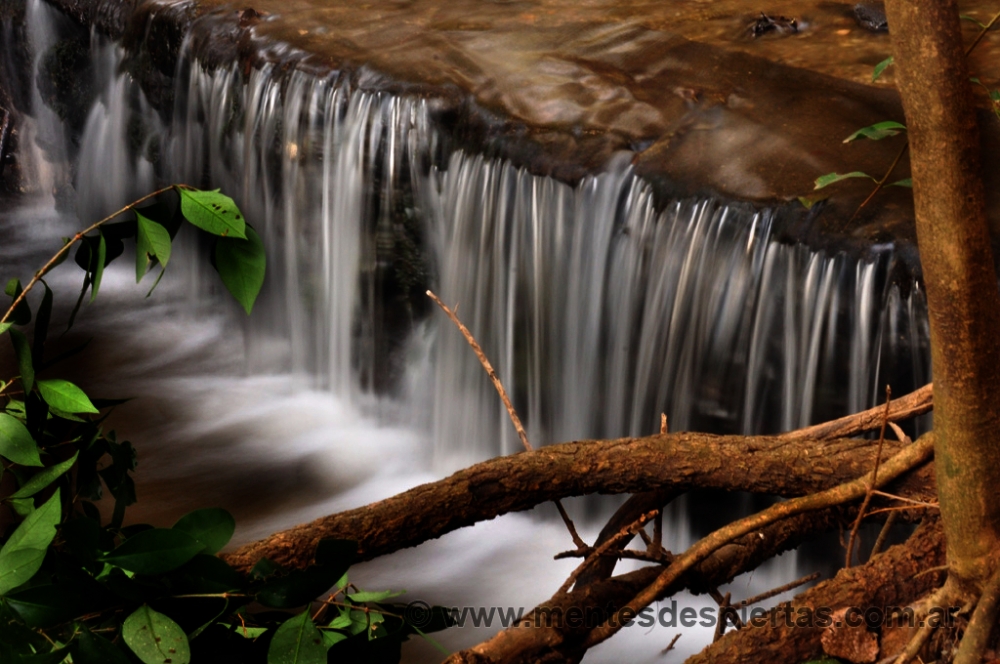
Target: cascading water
(599, 308)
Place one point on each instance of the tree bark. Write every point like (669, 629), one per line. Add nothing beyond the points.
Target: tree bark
(895, 578)
(960, 277)
(760, 464)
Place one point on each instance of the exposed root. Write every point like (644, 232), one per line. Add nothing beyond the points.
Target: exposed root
(984, 619)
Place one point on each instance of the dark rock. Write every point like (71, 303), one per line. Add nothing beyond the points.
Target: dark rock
(871, 16)
(772, 25)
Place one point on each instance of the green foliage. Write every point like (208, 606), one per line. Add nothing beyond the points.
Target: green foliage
(831, 178)
(74, 583)
(877, 131)
(880, 68)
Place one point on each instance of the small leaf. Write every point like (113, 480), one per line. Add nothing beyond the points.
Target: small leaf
(44, 478)
(65, 396)
(907, 182)
(154, 551)
(331, 638)
(881, 67)
(210, 527)
(830, 178)
(155, 638)
(213, 212)
(90, 648)
(22, 554)
(5, 326)
(22, 313)
(241, 265)
(877, 131)
(152, 241)
(966, 17)
(24, 364)
(374, 596)
(42, 327)
(207, 574)
(16, 444)
(98, 266)
(297, 641)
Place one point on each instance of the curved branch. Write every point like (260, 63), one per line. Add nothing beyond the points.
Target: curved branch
(761, 464)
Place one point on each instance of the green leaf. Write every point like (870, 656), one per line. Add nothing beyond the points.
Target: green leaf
(57, 656)
(152, 241)
(47, 605)
(154, 551)
(22, 554)
(966, 17)
(881, 67)
(297, 641)
(210, 527)
(21, 506)
(5, 326)
(877, 131)
(298, 587)
(16, 444)
(98, 266)
(213, 212)
(331, 638)
(22, 313)
(206, 574)
(155, 638)
(44, 478)
(42, 327)
(23, 351)
(907, 182)
(830, 178)
(241, 264)
(66, 396)
(374, 596)
(90, 648)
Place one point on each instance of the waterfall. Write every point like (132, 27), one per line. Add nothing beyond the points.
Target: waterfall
(599, 308)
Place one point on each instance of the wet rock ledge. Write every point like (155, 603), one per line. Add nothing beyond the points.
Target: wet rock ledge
(559, 88)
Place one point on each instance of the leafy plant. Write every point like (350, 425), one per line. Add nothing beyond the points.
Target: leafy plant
(76, 585)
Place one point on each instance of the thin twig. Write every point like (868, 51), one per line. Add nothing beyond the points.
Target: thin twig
(982, 33)
(903, 499)
(671, 646)
(569, 525)
(871, 488)
(774, 592)
(883, 534)
(486, 365)
(515, 420)
(915, 403)
(880, 184)
(57, 258)
(720, 626)
(627, 531)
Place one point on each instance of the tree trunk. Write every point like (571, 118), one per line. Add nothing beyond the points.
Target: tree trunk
(960, 277)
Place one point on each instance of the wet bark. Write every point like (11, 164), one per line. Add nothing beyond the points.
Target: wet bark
(895, 578)
(962, 296)
(676, 462)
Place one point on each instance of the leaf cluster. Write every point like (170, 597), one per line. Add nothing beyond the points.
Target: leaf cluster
(76, 584)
